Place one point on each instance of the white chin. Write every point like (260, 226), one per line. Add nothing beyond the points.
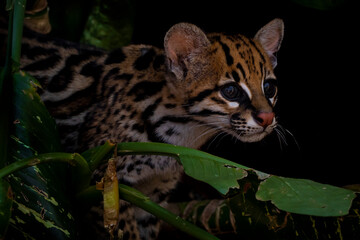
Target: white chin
(253, 137)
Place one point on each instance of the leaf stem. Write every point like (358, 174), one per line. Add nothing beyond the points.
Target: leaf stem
(145, 148)
(71, 158)
(18, 22)
(138, 199)
(131, 195)
(151, 148)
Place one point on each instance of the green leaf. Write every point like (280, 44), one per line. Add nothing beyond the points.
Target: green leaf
(218, 172)
(35, 130)
(250, 218)
(41, 205)
(221, 176)
(288, 194)
(81, 173)
(305, 196)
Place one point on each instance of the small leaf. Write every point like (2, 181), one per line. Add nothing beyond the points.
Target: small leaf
(305, 196)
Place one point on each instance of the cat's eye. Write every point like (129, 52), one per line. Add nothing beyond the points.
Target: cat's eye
(270, 88)
(231, 92)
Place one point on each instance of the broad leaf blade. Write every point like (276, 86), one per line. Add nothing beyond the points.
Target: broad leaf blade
(220, 173)
(220, 176)
(292, 195)
(41, 207)
(305, 196)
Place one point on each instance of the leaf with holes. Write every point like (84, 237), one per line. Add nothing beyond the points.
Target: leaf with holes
(305, 196)
(41, 206)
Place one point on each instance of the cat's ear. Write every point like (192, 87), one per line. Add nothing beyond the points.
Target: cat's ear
(270, 37)
(183, 43)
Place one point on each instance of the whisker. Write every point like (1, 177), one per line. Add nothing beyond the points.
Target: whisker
(219, 141)
(282, 132)
(280, 138)
(296, 142)
(209, 124)
(213, 139)
(205, 132)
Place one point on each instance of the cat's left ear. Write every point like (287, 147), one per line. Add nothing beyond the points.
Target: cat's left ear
(183, 43)
(270, 37)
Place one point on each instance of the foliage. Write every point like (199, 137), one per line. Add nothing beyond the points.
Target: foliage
(110, 24)
(36, 202)
(38, 196)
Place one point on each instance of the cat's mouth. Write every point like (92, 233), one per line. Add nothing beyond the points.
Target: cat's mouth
(253, 126)
(251, 133)
(255, 137)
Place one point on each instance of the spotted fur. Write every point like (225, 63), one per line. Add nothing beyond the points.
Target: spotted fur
(197, 87)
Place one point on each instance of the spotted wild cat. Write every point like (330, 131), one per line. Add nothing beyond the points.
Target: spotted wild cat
(197, 87)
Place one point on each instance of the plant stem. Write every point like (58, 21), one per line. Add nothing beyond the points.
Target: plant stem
(131, 195)
(18, 22)
(151, 148)
(71, 158)
(95, 156)
(145, 148)
(138, 199)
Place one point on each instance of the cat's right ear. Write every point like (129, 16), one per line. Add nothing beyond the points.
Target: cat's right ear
(270, 37)
(182, 43)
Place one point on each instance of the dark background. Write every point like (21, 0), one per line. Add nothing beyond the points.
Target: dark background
(317, 72)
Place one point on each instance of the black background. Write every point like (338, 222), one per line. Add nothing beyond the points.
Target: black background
(317, 72)
(318, 81)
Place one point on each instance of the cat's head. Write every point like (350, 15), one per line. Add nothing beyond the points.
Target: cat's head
(227, 81)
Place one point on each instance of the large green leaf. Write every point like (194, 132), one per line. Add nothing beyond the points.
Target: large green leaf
(291, 195)
(305, 196)
(218, 172)
(242, 216)
(221, 176)
(41, 206)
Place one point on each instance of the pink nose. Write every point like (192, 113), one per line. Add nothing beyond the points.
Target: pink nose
(264, 119)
